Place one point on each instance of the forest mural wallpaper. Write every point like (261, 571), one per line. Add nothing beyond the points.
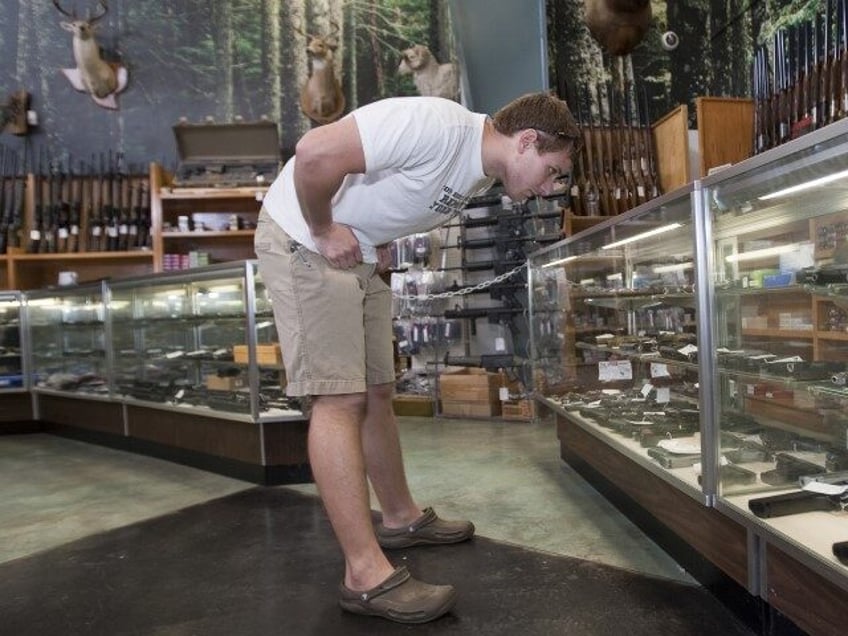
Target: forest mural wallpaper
(248, 58)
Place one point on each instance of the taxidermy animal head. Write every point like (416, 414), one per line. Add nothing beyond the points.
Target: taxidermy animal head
(618, 25)
(101, 79)
(430, 77)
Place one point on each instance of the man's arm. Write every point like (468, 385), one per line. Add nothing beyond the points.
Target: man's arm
(325, 155)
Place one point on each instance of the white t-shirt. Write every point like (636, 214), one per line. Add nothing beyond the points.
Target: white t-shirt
(423, 162)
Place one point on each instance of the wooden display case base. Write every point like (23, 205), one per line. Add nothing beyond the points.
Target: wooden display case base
(267, 453)
(707, 544)
(16, 414)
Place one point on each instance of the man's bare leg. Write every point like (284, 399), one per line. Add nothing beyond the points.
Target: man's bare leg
(384, 458)
(338, 465)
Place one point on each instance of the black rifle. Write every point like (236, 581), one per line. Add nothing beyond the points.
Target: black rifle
(796, 502)
(16, 205)
(840, 551)
(488, 361)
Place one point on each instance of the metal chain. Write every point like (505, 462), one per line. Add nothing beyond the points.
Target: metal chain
(465, 290)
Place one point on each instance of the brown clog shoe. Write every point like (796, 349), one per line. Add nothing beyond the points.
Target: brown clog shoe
(428, 529)
(400, 598)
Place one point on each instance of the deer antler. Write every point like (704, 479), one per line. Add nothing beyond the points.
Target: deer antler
(72, 16)
(95, 18)
(298, 27)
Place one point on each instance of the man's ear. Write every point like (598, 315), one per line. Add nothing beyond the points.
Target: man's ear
(526, 138)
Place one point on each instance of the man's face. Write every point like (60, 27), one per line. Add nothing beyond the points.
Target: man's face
(531, 174)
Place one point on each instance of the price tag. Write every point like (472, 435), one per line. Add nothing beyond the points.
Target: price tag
(615, 370)
(503, 393)
(34, 235)
(500, 344)
(74, 230)
(96, 230)
(63, 233)
(663, 395)
(646, 388)
(659, 370)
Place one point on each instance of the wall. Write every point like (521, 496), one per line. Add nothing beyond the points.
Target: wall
(197, 59)
(502, 50)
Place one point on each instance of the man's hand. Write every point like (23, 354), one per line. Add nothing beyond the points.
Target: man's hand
(339, 246)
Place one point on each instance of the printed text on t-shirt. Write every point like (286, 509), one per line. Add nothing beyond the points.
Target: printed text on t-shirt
(450, 203)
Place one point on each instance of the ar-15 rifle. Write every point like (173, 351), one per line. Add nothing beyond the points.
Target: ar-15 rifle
(63, 211)
(122, 207)
(16, 205)
(144, 214)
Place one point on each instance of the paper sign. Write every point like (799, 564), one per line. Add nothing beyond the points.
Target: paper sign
(615, 370)
(659, 370)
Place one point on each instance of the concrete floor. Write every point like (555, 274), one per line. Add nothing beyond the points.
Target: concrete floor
(505, 476)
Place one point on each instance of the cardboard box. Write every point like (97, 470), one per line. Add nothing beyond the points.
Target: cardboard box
(266, 354)
(520, 410)
(420, 405)
(228, 383)
(469, 385)
(471, 409)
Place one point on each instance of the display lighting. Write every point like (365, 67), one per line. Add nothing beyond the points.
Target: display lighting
(806, 185)
(674, 267)
(762, 253)
(559, 261)
(638, 237)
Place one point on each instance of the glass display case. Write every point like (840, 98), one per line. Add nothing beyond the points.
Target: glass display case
(202, 338)
(614, 334)
(704, 336)
(779, 238)
(13, 376)
(68, 332)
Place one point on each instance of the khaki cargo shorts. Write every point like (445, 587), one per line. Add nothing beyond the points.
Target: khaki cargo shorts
(335, 326)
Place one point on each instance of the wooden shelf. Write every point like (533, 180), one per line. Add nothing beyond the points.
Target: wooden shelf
(779, 333)
(832, 335)
(83, 256)
(208, 234)
(256, 193)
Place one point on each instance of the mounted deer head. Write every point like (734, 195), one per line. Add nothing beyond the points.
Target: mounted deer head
(321, 98)
(92, 74)
(618, 25)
